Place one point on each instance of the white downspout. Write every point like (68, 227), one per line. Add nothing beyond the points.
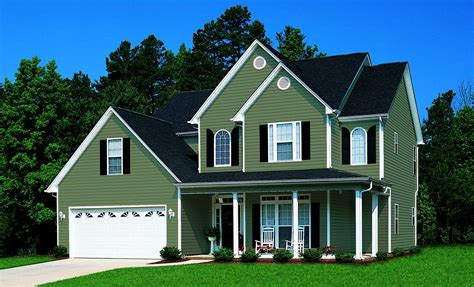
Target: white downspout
(358, 209)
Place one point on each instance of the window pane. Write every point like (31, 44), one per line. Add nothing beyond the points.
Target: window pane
(270, 143)
(268, 214)
(222, 148)
(284, 234)
(115, 147)
(285, 151)
(285, 214)
(284, 132)
(298, 144)
(303, 214)
(358, 146)
(115, 165)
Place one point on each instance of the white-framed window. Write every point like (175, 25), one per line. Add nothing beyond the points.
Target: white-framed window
(413, 216)
(283, 83)
(415, 159)
(259, 62)
(222, 148)
(114, 156)
(358, 146)
(397, 219)
(284, 142)
(395, 142)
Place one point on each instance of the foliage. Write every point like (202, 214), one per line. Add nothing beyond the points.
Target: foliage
(398, 252)
(223, 255)
(328, 250)
(312, 255)
(382, 256)
(170, 253)
(414, 250)
(212, 232)
(291, 43)
(426, 216)
(344, 257)
(11, 262)
(282, 255)
(249, 256)
(58, 251)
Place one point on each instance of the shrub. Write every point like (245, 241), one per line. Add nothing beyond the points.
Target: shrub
(381, 256)
(171, 253)
(249, 256)
(27, 251)
(223, 255)
(212, 232)
(344, 257)
(414, 250)
(282, 255)
(397, 252)
(312, 255)
(58, 251)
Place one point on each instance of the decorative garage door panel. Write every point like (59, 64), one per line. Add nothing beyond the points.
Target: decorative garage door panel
(118, 232)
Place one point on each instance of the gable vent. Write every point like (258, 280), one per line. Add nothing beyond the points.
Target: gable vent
(259, 63)
(283, 83)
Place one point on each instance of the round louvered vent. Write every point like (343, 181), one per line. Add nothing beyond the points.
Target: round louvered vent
(283, 83)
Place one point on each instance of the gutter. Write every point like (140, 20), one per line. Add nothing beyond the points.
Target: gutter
(362, 117)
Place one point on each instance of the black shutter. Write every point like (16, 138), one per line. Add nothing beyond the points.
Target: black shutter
(305, 141)
(126, 155)
(210, 148)
(346, 146)
(315, 226)
(263, 143)
(103, 157)
(255, 223)
(371, 145)
(235, 146)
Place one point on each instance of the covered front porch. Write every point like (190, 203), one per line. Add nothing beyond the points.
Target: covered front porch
(349, 218)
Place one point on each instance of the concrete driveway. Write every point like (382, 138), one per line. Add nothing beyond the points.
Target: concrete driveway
(36, 274)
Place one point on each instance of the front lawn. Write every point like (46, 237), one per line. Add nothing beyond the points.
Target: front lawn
(10, 262)
(447, 266)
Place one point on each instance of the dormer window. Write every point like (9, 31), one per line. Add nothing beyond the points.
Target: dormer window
(358, 146)
(114, 156)
(222, 148)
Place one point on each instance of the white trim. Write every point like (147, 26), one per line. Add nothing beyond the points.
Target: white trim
(108, 157)
(279, 84)
(180, 236)
(390, 222)
(365, 144)
(293, 141)
(195, 119)
(53, 187)
(243, 145)
(244, 222)
(328, 218)
(416, 195)
(256, 59)
(358, 223)
(230, 149)
(187, 134)
(345, 119)
(375, 224)
(235, 223)
(413, 106)
(199, 148)
(328, 142)
(57, 218)
(381, 149)
(295, 224)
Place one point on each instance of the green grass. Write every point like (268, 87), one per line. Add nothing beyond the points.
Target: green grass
(10, 262)
(447, 266)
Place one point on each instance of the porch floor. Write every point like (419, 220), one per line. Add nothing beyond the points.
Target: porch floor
(367, 256)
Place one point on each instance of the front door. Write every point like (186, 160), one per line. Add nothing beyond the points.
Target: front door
(227, 226)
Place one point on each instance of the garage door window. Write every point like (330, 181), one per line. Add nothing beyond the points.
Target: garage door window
(114, 156)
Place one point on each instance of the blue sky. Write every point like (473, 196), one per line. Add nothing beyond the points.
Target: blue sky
(435, 37)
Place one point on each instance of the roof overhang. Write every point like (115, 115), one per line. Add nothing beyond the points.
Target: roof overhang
(363, 117)
(413, 105)
(187, 134)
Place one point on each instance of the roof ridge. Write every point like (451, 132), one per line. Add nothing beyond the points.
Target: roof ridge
(333, 56)
(390, 63)
(143, 115)
(194, 91)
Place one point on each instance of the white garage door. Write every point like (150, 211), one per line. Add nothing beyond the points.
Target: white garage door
(135, 232)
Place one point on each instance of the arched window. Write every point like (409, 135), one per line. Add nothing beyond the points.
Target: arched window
(358, 146)
(222, 148)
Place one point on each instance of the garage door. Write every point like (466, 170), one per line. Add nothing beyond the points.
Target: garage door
(135, 232)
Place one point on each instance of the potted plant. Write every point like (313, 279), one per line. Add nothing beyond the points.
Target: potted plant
(212, 233)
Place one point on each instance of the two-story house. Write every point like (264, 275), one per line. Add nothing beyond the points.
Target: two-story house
(322, 150)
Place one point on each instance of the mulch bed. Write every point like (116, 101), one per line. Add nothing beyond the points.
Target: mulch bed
(166, 261)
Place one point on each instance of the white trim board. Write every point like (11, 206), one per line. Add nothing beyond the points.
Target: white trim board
(413, 106)
(53, 187)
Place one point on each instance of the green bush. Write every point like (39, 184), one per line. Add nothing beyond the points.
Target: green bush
(415, 250)
(171, 253)
(27, 251)
(249, 256)
(223, 255)
(344, 257)
(381, 256)
(398, 252)
(58, 251)
(282, 255)
(312, 255)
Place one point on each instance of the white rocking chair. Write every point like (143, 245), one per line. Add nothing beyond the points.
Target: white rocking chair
(289, 244)
(268, 239)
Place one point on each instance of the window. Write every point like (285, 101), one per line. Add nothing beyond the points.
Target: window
(268, 214)
(397, 219)
(395, 143)
(222, 148)
(358, 146)
(415, 159)
(413, 216)
(259, 63)
(114, 156)
(283, 83)
(284, 141)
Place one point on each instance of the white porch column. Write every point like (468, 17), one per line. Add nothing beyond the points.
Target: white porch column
(235, 223)
(375, 224)
(358, 223)
(179, 219)
(244, 222)
(328, 218)
(295, 224)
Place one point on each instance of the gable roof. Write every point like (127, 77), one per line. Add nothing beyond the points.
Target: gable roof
(181, 107)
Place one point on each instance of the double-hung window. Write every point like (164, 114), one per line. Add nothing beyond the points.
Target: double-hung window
(415, 160)
(395, 142)
(397, 219)
(413, 216)
(284, 141)
(114, 156)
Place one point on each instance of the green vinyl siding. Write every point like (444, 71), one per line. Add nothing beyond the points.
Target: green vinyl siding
(383, 223)
(275, 105)
(196, 218)
(399, 167)
(192, 141)
(343, 220)
(147, 184)
(228, 103)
